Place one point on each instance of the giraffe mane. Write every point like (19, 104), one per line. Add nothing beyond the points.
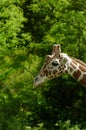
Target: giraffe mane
(79, 61)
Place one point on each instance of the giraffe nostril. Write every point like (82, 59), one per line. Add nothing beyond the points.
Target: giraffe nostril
(36, 78)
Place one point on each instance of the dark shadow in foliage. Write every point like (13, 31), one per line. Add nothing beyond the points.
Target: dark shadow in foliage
(65, 100)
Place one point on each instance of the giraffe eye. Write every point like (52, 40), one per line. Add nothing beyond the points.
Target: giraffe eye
(55, 63)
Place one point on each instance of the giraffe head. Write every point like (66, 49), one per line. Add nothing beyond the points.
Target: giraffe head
(54, 66)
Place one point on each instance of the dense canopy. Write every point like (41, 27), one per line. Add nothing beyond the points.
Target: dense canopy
(28, 30)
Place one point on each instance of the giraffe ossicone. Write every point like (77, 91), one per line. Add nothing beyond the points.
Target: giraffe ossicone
(59, 63)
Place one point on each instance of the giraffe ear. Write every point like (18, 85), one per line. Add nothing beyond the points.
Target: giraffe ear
(56, 49)
(48, 57)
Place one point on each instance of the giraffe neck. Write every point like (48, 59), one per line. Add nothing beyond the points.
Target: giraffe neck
(77, 70)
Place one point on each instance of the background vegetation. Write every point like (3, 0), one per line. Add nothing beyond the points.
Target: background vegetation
(28, 30)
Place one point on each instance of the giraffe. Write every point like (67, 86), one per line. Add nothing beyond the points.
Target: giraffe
(59, 63)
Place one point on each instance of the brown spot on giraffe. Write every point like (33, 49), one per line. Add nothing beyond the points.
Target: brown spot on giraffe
(77, 74)
(83, 80)
(73, 64)
(82, 68)
(71, 69)
(45, 72)
(44, 66)
(49, 72)
(54, 71)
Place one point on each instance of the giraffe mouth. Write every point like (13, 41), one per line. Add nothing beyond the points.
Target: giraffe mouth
(38, 85)
(39, 81)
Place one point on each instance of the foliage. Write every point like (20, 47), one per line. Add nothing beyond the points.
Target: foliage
(28, 29)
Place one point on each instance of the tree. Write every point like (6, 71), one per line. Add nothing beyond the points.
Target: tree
(28, 29)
